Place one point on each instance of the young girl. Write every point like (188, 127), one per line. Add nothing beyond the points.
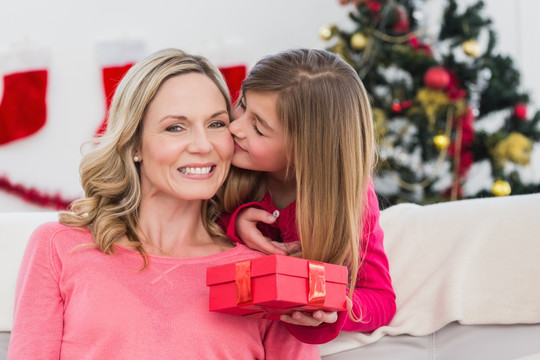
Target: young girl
(303, 161)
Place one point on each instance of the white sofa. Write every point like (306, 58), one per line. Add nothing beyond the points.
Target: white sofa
(466, 275)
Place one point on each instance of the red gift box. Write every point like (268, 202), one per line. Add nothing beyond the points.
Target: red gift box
(272, 285)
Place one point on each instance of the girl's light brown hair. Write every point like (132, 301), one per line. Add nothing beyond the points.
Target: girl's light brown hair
(109, 176)
(327, 121)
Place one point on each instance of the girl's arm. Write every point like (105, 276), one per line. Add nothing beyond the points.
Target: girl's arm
(228, 221)
(241, 226)
(38, 320)
(373, 298)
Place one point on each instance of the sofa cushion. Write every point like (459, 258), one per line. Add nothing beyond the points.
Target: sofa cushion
(471, 261)
(454, 341)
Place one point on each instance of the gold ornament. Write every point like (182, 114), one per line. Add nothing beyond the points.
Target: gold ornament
(515, 148)
(501, 188)
(441, 141)
(432, 102)
(471, 48)
(379, 122)
(326, 32)
(358, 41)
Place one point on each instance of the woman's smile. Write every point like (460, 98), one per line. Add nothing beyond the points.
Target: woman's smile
(197, 170)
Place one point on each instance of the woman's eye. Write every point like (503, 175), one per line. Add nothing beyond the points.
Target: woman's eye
(218, 124)
(174, 128)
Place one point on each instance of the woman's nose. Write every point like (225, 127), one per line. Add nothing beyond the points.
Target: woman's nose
(200, 142)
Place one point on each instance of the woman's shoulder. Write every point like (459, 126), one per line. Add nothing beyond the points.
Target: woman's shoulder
(242, 252)
(49, 227)
(56, 234)
(55, 228)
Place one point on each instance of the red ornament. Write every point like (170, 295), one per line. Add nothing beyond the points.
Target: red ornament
(406, 104)
(453, 90)
(419, 46)
(520, 111)
(373, 6)
(437, 78)
(402, 24)
(396, 107)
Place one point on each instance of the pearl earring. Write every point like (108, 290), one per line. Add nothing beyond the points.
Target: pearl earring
(136, 158)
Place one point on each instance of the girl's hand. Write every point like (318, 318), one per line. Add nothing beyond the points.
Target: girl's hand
(246, 228)
(317, 318)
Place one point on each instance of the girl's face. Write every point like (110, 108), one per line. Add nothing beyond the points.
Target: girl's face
(258, 134)
(186, 147)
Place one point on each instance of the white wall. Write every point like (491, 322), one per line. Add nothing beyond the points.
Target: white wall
(228, 32)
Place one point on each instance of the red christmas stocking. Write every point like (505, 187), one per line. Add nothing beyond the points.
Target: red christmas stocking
(116, 58)
(234, 75)
(23, 109)
(111, 77)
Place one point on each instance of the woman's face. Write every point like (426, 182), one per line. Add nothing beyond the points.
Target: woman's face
(258, 134)
(186, 147)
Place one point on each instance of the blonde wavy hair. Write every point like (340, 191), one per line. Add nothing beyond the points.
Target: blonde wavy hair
(327, 120)
(109, 176)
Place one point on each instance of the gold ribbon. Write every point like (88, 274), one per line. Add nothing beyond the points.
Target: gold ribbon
(242, 279)
(316, 279)
(317, 284)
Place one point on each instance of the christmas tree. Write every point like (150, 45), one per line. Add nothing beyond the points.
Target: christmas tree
(440, 103)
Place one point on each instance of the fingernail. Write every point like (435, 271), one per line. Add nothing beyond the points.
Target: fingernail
(272, 218)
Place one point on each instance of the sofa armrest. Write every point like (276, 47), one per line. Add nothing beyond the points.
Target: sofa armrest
(15, 230)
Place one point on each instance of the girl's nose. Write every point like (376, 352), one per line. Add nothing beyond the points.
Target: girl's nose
(236, 126)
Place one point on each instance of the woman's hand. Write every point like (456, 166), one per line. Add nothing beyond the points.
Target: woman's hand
(246, 228)
(315, 319)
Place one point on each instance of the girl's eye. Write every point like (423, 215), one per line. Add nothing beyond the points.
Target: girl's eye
(241, 103)
(257, 130)
(174, 128)
(237, 112)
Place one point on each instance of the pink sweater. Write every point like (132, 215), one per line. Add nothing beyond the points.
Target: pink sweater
(74, 302)
(373, 296)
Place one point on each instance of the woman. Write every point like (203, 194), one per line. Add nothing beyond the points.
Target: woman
(122, 276)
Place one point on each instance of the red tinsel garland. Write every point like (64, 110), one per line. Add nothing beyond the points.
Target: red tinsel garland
(34, 196)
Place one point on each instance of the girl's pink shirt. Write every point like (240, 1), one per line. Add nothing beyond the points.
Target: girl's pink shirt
(373, 296)
(74, 302)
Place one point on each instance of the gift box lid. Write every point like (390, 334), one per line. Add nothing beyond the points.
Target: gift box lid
(276, 264)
